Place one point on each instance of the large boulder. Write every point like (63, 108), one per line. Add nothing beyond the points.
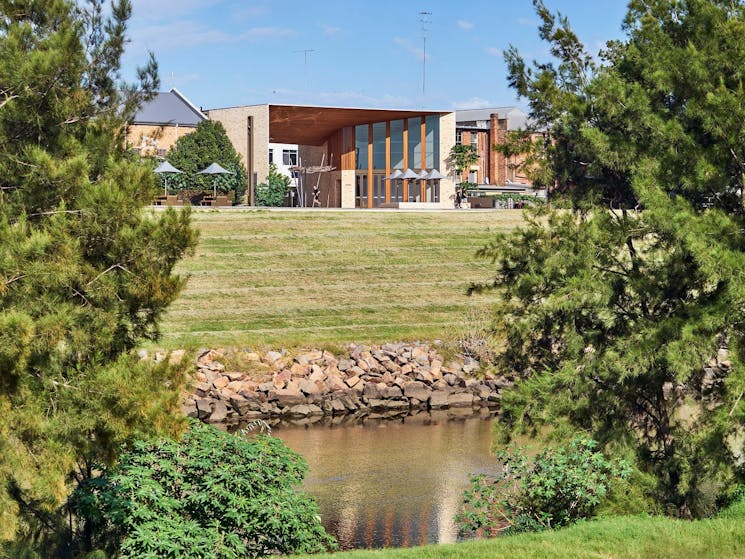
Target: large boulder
(417, 390)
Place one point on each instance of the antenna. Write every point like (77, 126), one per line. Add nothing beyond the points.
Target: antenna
(305, 54)
(424, 19)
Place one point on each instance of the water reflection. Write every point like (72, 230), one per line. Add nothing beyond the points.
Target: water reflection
(392, 483)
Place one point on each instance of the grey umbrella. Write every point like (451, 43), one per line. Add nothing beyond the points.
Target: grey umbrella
(397, 174)
(165, 168)
(409, 174)
(434, 174)
(215, 169)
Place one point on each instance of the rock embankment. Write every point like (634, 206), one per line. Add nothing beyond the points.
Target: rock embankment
(388, 380)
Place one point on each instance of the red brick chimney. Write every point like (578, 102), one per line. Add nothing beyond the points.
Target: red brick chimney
(497, 163)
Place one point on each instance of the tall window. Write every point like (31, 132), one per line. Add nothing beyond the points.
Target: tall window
(415, 143)
(397, 144)
(458, 137)
(475, 139)
(360, 141)
(271, 156)
(289, 157)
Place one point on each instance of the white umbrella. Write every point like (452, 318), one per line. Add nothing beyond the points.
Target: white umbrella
(395, 175)
(434, 174)
(215, 169)
(165, 168)
(409, 174)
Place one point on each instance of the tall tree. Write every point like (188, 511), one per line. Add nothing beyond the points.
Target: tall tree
(612, 316)
(208, 144)
(84, 274)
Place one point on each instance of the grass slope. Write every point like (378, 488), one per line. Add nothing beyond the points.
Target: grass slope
(289, 278)
(619, 537)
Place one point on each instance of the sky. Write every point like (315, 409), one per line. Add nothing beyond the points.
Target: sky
(351, 53)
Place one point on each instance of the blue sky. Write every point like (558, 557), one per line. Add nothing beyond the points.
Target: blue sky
(223, 53)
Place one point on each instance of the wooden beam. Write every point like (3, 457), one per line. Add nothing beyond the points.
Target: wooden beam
(423, 136)
(387, 161)
(369, 165)
(406, 160)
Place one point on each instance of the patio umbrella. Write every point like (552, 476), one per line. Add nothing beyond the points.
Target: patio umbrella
(434, 174)
(395, 175)
(165, 168)
(215, 169)
(409, 174)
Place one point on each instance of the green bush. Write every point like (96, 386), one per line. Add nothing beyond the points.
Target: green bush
(560, 486)
(274, 190)
(210, 495)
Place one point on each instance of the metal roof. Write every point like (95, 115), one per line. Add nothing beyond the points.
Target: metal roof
(170, 108)
(517, 119)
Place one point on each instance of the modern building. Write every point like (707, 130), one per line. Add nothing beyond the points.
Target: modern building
(161, 121)
(350, 154)
(483, 128)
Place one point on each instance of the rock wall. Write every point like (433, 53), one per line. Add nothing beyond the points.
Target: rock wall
(391, 379)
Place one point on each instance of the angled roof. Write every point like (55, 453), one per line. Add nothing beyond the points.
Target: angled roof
(170, 108)
(517, 119)
(309, 125)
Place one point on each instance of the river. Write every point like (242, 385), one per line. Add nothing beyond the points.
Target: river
(392, 483)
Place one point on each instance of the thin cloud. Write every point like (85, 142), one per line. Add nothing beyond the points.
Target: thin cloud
(329, 30)
(267, 33)
(410, 47)
(466, 25)
(167, 9)
(494, 51)
(472, 103)
(251, 12)
(526, 21)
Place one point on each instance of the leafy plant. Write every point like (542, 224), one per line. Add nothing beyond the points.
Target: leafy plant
(210, 495)
(560, 486)
(460, 158)
(274, 190)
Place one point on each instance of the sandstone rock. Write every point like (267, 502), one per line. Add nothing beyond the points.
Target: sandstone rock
(337, 407)
(220, 382)
(235, 375)
(438, 399)
(317, 374)
(309, 357)
(219, 412)
(391, 366)
(335, 383)
(424, 376)
(266, 387)
(176, 356)
(272, 356)
(303, 410)
(352, 381)
(299, 370)
(189, 409)
(143, 355)
(286, 397)
(251, 356)
(407, 368)
(392, 393)
(420, 354)
(200, 376)
(373, 390)
(503, 382)
(387, 378)
(417, 390)
(356, 371)
(310, 387)
(345, 364)
(243, 405)
(281, 378)
(204, 407)
(361, 364)
(375, 404)
(461, 399)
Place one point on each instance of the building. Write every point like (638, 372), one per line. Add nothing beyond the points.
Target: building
(483, 128)
(348, 153)
(161, 121)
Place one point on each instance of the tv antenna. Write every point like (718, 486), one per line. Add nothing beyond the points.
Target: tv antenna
(306, 52)
(424, 19)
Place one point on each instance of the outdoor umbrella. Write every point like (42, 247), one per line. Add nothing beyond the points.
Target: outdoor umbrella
(434, 174)
(395, 175)
(165, 168)
(409, 174)
(215, 169)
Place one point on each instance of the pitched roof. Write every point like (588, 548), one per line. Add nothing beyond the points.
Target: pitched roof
(517, 119)
(171, 108)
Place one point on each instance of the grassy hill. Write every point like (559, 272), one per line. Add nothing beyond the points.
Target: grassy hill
(289, 278)
(610, 538)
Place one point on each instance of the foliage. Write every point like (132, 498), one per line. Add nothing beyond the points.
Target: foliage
(558, 487)
(274, 190)
(208, 144)
(84, 275)
(610, 315)
(212, 494)
(461, 157)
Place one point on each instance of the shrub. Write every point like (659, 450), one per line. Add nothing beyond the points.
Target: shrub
(560, 486)
(211, 495)
(274, 190)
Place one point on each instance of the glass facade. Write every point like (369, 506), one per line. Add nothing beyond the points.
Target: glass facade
(390, 152)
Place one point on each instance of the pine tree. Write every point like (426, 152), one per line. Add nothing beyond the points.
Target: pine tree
(612, 316)
(85, 274)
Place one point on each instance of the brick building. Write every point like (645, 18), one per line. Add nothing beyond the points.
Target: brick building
(483, 128)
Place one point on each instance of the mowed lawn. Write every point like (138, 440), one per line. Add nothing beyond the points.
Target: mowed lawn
(303, 278)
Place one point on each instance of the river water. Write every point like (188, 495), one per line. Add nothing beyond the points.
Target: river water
(392, 483)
